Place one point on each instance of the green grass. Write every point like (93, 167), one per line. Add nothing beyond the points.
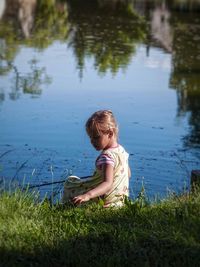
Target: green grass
(140, 234)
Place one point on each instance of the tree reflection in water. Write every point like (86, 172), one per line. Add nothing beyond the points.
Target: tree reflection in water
(31, 23)
(185, 76)
(29, 83)
(41, 23)
(107, 32)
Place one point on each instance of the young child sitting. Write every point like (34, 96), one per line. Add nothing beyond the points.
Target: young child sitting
(110, 181)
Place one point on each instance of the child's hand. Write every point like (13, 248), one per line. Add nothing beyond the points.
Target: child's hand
(81, 198)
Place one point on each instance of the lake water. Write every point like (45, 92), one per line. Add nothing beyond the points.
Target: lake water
(60, 62)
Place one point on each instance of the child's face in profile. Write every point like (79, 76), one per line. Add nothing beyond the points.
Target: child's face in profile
(100, 141)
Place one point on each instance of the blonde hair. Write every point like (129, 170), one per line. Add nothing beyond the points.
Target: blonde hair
(101, 122)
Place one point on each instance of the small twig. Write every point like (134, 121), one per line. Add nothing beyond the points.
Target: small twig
(6, 153)
(52, 193)
(41, 167)
(21, 166)
(182, 164)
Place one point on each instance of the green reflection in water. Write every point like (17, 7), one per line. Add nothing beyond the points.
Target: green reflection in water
(33, 24)
(185, 76)
(31, 82)
(106, 32)
(51, 23)
(8, 47)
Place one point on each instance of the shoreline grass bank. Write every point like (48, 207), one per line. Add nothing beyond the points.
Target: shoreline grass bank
(140, 234)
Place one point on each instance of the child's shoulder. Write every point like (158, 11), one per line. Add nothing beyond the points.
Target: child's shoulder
(115, 150)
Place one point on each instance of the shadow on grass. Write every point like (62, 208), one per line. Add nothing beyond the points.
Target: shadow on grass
(108, 249)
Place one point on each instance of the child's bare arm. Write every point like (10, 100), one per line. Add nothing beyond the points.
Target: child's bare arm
(101, 189)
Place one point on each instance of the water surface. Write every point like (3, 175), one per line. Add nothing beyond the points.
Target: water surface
(139, 58)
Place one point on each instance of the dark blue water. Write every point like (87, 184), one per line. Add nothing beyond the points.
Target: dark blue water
(47, 95)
